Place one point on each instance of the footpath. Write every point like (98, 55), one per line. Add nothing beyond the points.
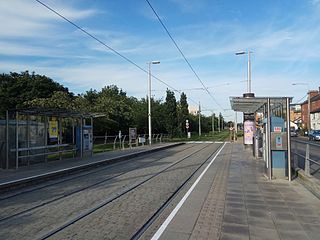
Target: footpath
(234, 200)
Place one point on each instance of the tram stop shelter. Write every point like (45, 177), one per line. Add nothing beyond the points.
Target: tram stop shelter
(271, 134)
(37, 135)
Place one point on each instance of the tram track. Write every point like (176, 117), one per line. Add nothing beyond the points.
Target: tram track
(155, 216)
(68, 194)
(66, 179)
(108, 201)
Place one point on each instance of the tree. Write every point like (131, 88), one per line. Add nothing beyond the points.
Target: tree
(58, 100)
(171, 118)
(183, 113)
(15, 89)
(117, 108)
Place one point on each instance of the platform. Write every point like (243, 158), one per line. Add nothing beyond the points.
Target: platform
(235, 200)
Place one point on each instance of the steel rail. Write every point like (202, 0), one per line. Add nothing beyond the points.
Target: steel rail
(155, 216)
(109, 200)
(78, 190)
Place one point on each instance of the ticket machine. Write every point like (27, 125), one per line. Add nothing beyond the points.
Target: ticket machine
(279, 148)
(84, 140)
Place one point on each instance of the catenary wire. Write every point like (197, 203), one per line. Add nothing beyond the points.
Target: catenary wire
(108, 47)
(182, 54)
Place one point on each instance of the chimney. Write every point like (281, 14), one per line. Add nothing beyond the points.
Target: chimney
(313, 93)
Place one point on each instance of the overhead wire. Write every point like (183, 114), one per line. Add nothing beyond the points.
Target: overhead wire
(108, 47)
(182, 54)
(302, 98)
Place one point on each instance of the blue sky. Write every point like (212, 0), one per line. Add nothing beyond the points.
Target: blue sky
(283, 35)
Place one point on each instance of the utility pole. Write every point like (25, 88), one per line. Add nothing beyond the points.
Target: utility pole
(199, 120)
(213, 123)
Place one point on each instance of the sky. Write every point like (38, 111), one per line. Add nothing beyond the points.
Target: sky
(283, 37)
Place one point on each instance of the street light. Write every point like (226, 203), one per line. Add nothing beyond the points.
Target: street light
(149, 100)
(199, 120)
(249, 69)
(309, 104)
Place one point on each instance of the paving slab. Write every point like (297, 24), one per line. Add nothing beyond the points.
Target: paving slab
(247, 205)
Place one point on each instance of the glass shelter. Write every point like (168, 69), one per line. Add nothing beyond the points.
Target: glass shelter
(31, 136)
(271, 137)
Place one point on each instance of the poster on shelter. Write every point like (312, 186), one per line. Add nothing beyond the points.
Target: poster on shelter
(249, 129)
(132, 133)
(53, 129)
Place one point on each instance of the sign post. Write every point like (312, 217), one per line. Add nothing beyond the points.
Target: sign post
(187, 127)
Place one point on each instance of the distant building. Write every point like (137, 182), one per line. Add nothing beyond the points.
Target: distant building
(295, 114)
(314, 110)
(193, 110)
(315, 119)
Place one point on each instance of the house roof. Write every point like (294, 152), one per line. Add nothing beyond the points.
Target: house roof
(313, 99)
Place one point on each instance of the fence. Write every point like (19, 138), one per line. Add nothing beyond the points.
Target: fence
(306, 155)
(107, 143)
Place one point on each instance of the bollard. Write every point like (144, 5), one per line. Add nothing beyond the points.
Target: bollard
(307, 162)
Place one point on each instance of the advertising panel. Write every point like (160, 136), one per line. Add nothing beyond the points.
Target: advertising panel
(53, 129)
(249, 129)
(132, 133)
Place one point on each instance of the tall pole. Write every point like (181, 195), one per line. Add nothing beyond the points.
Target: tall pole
(309, 106)
(288, 137)
(7, 139)
(236, 123)
(149, 104)
(212, 123)
(249, 72)
(149, 100)
(199, 120)
(219, 122)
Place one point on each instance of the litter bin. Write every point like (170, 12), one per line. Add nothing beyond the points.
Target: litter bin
(257, 144)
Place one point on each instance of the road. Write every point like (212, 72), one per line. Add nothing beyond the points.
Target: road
(298, 145)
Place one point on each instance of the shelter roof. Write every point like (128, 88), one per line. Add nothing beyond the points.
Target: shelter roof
(255, 104)
(55, 112)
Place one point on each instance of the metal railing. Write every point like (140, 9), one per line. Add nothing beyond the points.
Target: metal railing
(107, 143)
(306, 156)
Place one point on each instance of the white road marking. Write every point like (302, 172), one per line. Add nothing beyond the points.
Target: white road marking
(165, 224)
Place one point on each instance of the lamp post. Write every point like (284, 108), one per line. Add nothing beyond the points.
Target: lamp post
(309, 103)
(248, 70)
(199, 119)
(149, 100)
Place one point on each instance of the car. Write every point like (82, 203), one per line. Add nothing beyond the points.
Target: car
(314, 135)
(293, 133)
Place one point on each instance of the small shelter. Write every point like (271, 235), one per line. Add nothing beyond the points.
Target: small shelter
(34, 135)
(272, 138)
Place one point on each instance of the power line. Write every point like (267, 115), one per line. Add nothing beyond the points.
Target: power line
(107, 46)
(302, 98)
(186, 60)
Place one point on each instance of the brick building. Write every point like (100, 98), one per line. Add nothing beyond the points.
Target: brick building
(295, 114)
(314, 110)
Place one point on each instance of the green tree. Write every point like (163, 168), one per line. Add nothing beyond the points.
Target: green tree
(117, 108)
(58, 100)
(183, 113)
(17, 88)
(170, 110)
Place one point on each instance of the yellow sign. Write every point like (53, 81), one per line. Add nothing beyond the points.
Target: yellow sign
(53, 129)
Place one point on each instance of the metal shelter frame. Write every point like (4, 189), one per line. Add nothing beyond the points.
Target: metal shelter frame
(268, 106)
(57, 113)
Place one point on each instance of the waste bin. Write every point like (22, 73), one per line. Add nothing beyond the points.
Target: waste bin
(257, 144)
